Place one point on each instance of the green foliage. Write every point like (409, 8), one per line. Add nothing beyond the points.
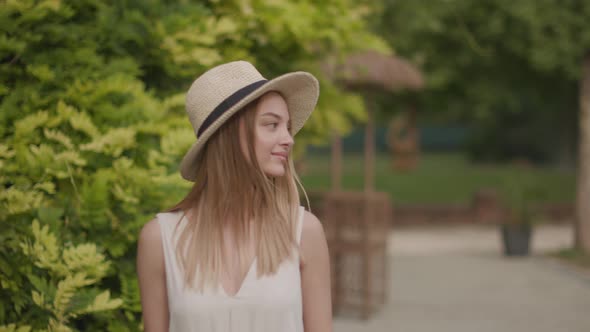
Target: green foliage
(445, 178)
(14, 328)
(519, 193)
(283, 36)
(510, 68)
(61, 289)
(93, 128)
(59, 281)
(573, 256)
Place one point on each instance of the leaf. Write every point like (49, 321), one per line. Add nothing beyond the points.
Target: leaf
(14, 328)
(95, 201)
(85, 258)
(17, 201)
(81, 300)
(82, 122)
(66, 290)
(57, 326)
(42, 285)
(70, 157)
(113, 142)
(38, 299)
(48, 187)
(25, 126)
(42, 72)
(123, 195)
(176, 142)
(102, 302)
(45, 250)
(59, 137)
(6, 152)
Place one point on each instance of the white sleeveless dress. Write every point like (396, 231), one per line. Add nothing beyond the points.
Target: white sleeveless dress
(267, 304)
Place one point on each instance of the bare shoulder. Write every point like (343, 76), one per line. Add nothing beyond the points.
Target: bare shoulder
(315, 276)
(311, 225)
(150, 254)
(151, 275)
(150, 233)
(149, 245)
(312, 233)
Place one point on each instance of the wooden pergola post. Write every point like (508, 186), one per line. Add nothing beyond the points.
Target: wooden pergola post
(365, 214)
(336, 161)
(369, 146)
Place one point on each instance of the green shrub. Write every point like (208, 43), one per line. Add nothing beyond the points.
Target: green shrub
(93, 127)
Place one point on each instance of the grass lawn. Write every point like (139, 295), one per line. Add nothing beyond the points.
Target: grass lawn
(573, 256)
(441, 178)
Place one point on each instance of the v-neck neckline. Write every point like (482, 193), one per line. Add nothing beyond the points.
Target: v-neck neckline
(245, 279)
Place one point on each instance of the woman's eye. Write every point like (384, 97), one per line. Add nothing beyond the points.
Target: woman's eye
(272, 125)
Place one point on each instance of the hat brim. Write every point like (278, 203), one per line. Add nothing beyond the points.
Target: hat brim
(300, 90)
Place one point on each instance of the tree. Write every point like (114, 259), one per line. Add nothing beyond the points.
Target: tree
(583, 198)
(511, 66)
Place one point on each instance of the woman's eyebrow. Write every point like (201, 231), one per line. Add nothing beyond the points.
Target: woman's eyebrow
(272, 114)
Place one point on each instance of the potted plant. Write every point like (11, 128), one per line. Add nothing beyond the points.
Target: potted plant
(516, 230)
(519, 216)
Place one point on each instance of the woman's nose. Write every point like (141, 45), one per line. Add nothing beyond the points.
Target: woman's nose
(287, 139)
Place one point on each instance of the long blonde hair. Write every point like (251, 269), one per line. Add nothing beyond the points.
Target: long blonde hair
(230, 191)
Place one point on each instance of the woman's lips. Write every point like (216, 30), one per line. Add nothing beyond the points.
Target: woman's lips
(282, 155)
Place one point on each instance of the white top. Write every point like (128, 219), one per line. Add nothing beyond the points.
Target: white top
(266, 304)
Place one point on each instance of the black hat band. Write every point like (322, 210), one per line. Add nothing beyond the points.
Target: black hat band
(227, 103)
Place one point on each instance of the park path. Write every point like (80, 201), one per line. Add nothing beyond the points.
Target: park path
(454, 278)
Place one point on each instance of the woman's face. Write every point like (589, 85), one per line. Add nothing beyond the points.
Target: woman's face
(272, 135)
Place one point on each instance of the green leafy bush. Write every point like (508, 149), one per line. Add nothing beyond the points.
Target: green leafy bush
(93, 127)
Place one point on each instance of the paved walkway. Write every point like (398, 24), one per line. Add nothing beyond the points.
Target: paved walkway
(455, 279)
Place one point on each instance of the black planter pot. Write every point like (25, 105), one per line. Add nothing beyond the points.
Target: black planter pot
(516, 239)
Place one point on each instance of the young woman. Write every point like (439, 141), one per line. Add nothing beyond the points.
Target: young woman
(239, 253)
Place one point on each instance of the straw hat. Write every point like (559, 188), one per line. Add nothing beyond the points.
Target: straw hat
(223, 90)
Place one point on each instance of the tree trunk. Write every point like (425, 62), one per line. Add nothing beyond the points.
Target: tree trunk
(370, 146)
(582, 234)
(336, 162)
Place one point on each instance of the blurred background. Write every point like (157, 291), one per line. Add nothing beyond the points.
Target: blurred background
(448, 157)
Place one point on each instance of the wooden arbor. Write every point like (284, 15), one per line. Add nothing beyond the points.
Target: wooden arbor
(357, 223)
(368, 73)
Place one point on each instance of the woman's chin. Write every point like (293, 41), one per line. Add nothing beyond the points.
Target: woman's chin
(275, 171)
